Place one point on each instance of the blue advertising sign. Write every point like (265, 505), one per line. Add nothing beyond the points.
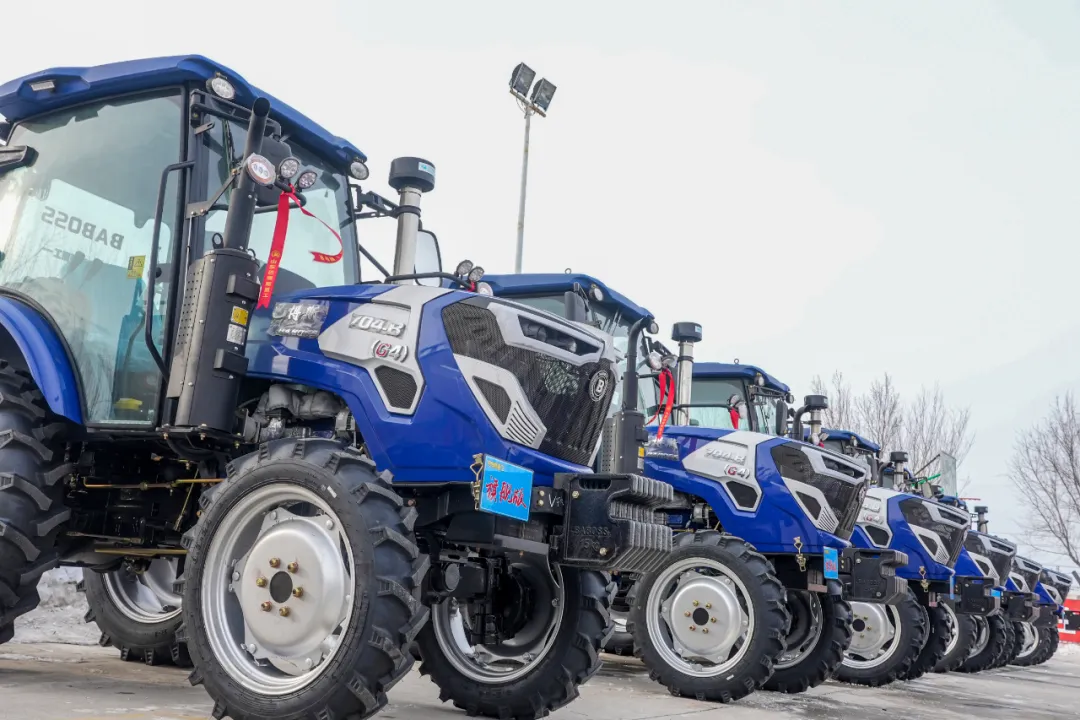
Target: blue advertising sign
(505, 489)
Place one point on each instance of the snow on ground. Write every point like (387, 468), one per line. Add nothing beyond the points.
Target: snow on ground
(59, 617)
(1068, 649)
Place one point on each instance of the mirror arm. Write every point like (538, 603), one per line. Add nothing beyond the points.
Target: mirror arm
(424, 276)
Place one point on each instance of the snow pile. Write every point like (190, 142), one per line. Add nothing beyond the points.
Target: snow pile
(1068, 649)
(59, 617)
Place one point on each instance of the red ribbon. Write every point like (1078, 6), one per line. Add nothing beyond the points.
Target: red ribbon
(667, 399)
(277, 246)
(734, 413)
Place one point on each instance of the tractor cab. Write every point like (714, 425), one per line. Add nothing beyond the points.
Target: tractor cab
(113, 181)
(738, 397)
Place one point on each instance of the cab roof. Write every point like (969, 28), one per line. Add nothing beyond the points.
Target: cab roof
(76, 85)
(727, 370)
(543, 283)
(847, 435)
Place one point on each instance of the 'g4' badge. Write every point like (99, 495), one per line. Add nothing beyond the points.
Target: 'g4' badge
(598, 385)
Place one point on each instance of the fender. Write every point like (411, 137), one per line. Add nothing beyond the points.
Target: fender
(46, 354)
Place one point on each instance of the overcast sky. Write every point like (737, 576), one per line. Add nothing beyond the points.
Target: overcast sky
(858, 185)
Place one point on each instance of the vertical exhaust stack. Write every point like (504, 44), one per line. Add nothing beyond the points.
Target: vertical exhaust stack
(222, 287)
(411, 177)
(816, 405)
(981, 523)
(686, 334)
(897, 461)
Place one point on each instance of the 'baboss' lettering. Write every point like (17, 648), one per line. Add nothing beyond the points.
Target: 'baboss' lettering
(77, 226)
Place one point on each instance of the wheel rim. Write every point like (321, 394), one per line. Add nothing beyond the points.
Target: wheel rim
(1029, 641)
(272, 625)
(517, 656)
(875, 635)
(806, 627)
(954, 629)
(146, 597)
(700, 617)
(982, 636)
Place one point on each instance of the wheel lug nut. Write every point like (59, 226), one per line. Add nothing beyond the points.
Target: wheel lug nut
(712, 619)
(298, 591)
(708, 606)
(293, 566)
(235, 576)
(284, 611)
(695, 603)
(274, 562)
(686, 614)
(260, 582)
(705, 630)
(266, 606)
(693, 628)
(329, 524)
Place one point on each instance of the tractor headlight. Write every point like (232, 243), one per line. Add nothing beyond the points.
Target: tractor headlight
(222, 88)
(307, 179)
(359, 170)
(260, 170)
(288, 168)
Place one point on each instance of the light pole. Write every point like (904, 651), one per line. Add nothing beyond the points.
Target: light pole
(536, 102)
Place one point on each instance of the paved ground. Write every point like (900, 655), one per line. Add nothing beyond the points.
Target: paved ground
(50, 681)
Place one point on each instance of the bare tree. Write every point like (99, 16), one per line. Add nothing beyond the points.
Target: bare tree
(1045, 468)
(880, 414)
(930, 427)
(841, 412)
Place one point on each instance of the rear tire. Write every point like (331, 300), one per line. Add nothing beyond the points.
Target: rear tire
(961, 640)
(130, 623)
(742, 584)
(937, 643)
(822, 650)
(32, 511)
(879, 654)
(354, 608)
(621, 641)
(989, 644)
(544, 684)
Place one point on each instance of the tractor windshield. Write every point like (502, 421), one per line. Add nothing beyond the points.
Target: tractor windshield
(766, 405)
(327, 200)
(711, 402)
(76, 227)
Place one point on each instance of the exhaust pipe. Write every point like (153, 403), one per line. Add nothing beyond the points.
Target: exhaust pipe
(981, 523)
(686, 334)
(411, 177)
(816, 405)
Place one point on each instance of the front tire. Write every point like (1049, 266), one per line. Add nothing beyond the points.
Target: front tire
(487, 681)
(961, 640)
(820, 633)
(989, 644)
(1028, 645)
(1008, 651)
(32, 510)
(886, 642)
(302, 585)
(138, 611)
(711, 582)
(1048, 644)
(941, 631)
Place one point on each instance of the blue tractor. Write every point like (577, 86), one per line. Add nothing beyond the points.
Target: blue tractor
(753, 593)
(275, 460)
(910, 638)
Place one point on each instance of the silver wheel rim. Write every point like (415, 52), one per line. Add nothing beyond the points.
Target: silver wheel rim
(700, 617)
(286, 645)
(516, 656)
(982, 636)
(145, 597)
(1030, 640)
(954, 629)
(802, 638)
(875, 635)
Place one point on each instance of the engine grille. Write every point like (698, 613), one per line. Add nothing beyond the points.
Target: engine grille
(916, 512)
(1059, 581)
(844, 496)
(1000, 553)
(1027, 570)
(558, 391)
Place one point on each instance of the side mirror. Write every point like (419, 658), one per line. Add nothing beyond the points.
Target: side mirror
(574, 307)
(428, 257)
(15, 156)
(781, 418)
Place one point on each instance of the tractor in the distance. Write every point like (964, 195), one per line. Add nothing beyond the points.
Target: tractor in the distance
(273, 457)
